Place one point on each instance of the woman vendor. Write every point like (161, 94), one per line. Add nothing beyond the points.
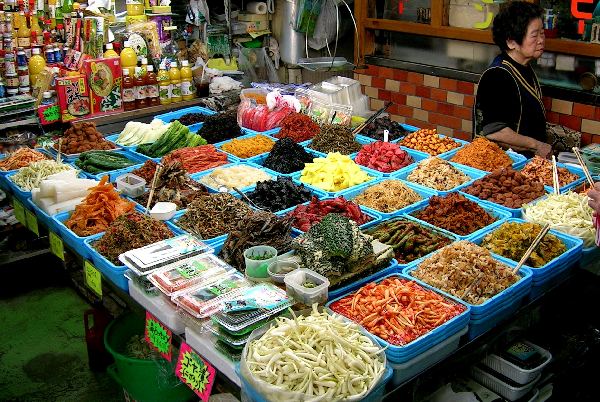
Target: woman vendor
(508, 106)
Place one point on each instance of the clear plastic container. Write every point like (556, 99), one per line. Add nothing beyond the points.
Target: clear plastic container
(514, 372)
(508, 391)
(257, 267)
(131, 185)
(279, 269)
(294, 285)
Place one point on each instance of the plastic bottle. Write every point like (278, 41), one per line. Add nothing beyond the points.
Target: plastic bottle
(187, 87)
(139, 83)
(128, 58)
(47, 98)
(144, 66)
(37, 64)
(110, 53)
(134, 7)
(49, 52)
(152, 92)
(24, 36)
(175, 77)
(128, 91)
(35, 27)
(67, 7)
(164, 85)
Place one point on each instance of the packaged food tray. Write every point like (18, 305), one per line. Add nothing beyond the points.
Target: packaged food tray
(473, 174)
(215, 187)
(219, 145)
(514, 372)
(499, 214)
(431, 228)
(113, 174)
(507, 391)
(415, 155)
(204, 344)
(425, 194)
(404, 353)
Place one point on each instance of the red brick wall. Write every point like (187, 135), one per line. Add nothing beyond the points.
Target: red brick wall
(445, 104)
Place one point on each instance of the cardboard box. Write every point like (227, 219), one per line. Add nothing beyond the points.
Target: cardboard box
(105, 80)
(73, 97)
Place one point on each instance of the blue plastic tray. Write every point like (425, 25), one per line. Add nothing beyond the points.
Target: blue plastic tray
(402, 266)
(114, 273)
(375, 177)
(270, 133)
(473, 174)
(499, 214)
(425, 194)
(260, 160)
(69, 237)
(447, 154)
(43, 217)
(144, 158)
(170, 116)
(480, 326)
(514, 212)
(214, 187)
(18, 193)
(569, 257)
(518, 160)
(415, 155)
(113, 174)
(392, 268)
(570, 168)
(7, 172)
(558, 276)
(508, 294)
(407, 127)
(113, 138)
(219, 145)
(376, 394)
(307, 144)
(427, 340)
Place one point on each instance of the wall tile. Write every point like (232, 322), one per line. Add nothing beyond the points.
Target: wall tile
(463, 112)
(590, 126)
(421, 123)
(423, 92)
(386, 72)
(547, 102)
(465, 87)
(596, 139)
(469, 101)
(445, 108)
(586, 138)
(552, 117)
(378, 82)
(445, 131)
(405, 111)
(421, 114)
(463, 135)
(392, 85)
(372, 92)
(429, 105)
(573, 122)
(431, 81)
(399, 119)
(408, 88)
(415, 78)
(455, 98)
(585, 111)
(364, 79)
(448, 84)
(439, 94)
(399, 98)
(400, 75)
(561, 106)
(467, 125)
(370, 70)
(445, 120)
(385, 95)
(413, 101)
(376, 104)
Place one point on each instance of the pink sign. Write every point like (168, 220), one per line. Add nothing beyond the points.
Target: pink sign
(195, 372)
(158, 336)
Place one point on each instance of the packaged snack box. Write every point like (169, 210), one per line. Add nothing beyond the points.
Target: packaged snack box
(73, 97)
(105, 81)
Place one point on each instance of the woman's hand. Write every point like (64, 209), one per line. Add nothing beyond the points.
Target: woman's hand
(594, 201)
(544, 150)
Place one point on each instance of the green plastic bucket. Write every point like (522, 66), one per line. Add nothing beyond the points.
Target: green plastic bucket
(144, 380)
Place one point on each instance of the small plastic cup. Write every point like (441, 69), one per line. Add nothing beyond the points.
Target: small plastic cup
(258, 268)
(280, 268)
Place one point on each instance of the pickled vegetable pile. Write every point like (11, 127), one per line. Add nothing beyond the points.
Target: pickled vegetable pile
(438, 174)
(334, 173)
(305, 216)
(388, 196)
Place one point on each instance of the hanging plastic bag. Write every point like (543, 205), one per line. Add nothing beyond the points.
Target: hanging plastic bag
(246, 67)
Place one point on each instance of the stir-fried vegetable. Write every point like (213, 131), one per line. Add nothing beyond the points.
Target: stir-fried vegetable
(320, 356)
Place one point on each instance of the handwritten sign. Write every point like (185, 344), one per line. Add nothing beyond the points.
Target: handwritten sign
(56, 245)
(52, 114)
(19, 212)
(158, 336)
(195, 372)
(32, 222)
(93, 278)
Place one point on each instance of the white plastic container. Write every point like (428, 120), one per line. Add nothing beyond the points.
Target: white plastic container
(131, 185)
(514, 372)
(407, 370)
(163, 211)
(293, 285)
(500, 387)
(160, 307)
(279, 269)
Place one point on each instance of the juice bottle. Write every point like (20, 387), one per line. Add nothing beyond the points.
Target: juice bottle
(37, 64)
(128, 58)
(110, 53)
(152, 87)
(24, 35)
(187, 87)
(175, 77)
(128, 91)
(135, 7)
(35, 27)
(139, 84)
(164, 85)
(144, 66)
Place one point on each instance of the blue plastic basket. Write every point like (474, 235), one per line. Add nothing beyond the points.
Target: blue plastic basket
(42, 216)
(426, 341)
(170, 116)
(72, 240)
(568, 258)
(113, 138)
(375, 177)
(376, 395)
(415, 155)
(112, 272)
(506, 296)
(473, 174)
(484, 324)
(570, 168)
(219, 145)
(270, 133)
(214, 187)
(447, 154)
(7, 172)
(497, 213)
(407, 127)
(402, 266)
(260, 160)
(425, 194)
(113, 174)
(144, 158)
(17, 192)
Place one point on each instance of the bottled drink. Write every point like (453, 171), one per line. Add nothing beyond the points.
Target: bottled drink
(164, 84)
(37, 64)
(128, 58)
(187, 86)
(24, 36)
(175, 77)
(128, 91)
(144, 66)
(152, 87)
(110, 53)
(139, 84)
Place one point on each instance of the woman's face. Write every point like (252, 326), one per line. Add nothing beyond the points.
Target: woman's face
(532, 45)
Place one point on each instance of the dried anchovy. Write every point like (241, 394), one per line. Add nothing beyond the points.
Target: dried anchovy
(335, 138)
(287, 157)
(130, 231)
(259, 228)
(173, 185)
(212, 215)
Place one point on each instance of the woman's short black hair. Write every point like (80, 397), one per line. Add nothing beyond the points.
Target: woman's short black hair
(512, 20)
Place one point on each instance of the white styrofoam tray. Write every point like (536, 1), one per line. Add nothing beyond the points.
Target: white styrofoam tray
(160, 307)
(514, 372)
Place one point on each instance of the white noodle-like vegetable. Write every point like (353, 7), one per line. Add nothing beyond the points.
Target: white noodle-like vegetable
(568, 213)
(30, 177)
(322, 356)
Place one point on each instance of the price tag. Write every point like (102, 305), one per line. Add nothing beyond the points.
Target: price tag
(32, 222)
(19, 212)
(158, 336)
(386, 135)
(56, 245)
(195, 372)
(93, 278)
